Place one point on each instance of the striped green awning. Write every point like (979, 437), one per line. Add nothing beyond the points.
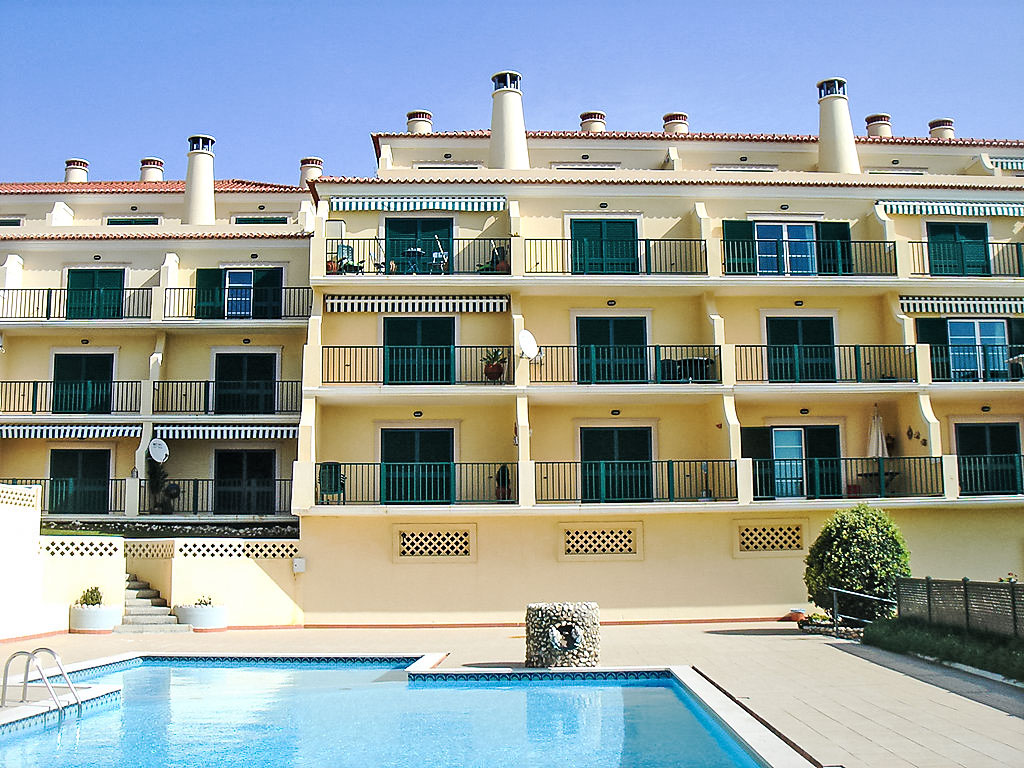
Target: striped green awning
(420, 203)
(1008, 163)
(953, 208)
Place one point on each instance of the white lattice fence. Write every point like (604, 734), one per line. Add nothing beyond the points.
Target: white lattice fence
(602, 540)
(146, 549)
(19, 495)
(773, 537)
(74, 546)
(426, 542)
(256, 549)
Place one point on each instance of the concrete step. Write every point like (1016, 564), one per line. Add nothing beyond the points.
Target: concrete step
(146, 610)
(147, 619)
(135, 594)
(151, 628)
(136, 584)
(144, 601)
(130, 577)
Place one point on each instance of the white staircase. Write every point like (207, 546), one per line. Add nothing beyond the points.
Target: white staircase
(146, 611)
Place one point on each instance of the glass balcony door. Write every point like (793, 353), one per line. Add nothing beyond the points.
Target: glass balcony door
(800, 349)
(978, 350)
(79, 482)
(244, 483)
(83, 383)
(616, 464)
(418, 246)
(794, 462)
(611, 350)
(244, 382)
(419, 350)
(417, 466)
(989, 458)
(786, 249)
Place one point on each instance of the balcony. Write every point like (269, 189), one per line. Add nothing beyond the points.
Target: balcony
(635, 482)
(799, 363)
(848, 478)
(559, 256)
(237, 303)
(76, 303)
(417, 483)
(628, 364)
(191, 496)
(803, 258)
(991, 475)
(419, 256)
(967, 258)
(989, 362)
(87, 397)
(417, 365)
(227, 397)
(77, 496)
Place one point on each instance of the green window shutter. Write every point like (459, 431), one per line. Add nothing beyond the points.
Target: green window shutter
(739, 248)
(209, 294)
(932, 330)
(834, 251)
(834, 230)
(584, 229)
(95, 294)
(267, 293)
(620, 230)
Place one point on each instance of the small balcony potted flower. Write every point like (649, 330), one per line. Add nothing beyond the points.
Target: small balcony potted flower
(494, 364)
(203, 615)
(90, 616)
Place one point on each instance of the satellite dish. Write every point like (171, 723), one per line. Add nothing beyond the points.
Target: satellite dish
(158, 450)
(528, 344)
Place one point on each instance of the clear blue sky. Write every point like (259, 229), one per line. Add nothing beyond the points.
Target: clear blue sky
(274, 81)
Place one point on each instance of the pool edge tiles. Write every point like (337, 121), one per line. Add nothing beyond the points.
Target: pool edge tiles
(27, 717)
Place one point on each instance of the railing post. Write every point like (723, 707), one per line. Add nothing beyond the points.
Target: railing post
(881, 477)
(967, 607)
(857, 362)
(835, 613)
(1013, 606)
(452, 375)
(602, 476)
(593, 364)
(657, 364)
(49, 302)
(451, 481)
(780, 256)
(1020, 259)
(35, 396)
(796, 362)
(647, 256)
(928, 595)
(671, 480)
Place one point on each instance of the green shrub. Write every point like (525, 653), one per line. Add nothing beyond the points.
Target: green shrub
(91, 596)
(861, 550)
(204, 600)
(1002, 655)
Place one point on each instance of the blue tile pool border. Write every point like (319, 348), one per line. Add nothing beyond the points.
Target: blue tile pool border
(42, 719)
(519, 676)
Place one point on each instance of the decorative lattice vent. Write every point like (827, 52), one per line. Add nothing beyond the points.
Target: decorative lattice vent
(436, 542)
(149, 550)
(602, 540)
(70, 546)
(271, 550)
(257, 549)
(775, 537)
(18, 496)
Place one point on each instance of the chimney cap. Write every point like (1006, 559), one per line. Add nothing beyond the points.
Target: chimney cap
(76, 162)
(675, 117)
(151, 162)
(832, 86)
(507, 79)
(317, 161)
(878, 117)
(419, 114)
(593, 114)
(941, 122)
(201, 142)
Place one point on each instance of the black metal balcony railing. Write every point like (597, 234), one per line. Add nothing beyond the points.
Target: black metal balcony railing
(967, 259)
(419, 256)
(801, 363)
(417, 483)
(77, 496)
(227, 397)
(884, 478)
(967, 362)
(191, 496)
(238, 303)
(628, 364)
(567, 256)
(96, 397)
(809, 257)
(991, 475)
(590, 482)
(417, 365)
(75, 303)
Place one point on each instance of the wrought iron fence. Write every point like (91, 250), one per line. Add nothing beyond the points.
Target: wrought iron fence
(227, 397)
(77, 496)
(968, 258)
(848, 478)
(628, 364)
(418, 365)
(419, 256)
(75, 303)
(590, 482)
(793, 363)
(566, 256)
(991, 475)
(809, 257)
(238, 303)
(417, 483)
(97, 397)
(967, 362)
(193, 496)
(980, 606)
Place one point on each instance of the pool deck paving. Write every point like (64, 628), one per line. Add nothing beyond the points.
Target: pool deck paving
(843, 703)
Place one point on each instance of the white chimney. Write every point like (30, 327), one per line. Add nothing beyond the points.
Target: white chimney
(676, 122)
(879, 124)
(419, 121)
(76, 170)
(942, 128)
(151, 169)
(837, 152)
(592, 121)
(310, 168)
(508, 126)
(199, 206)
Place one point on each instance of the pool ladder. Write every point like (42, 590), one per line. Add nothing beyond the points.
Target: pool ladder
(32, 658)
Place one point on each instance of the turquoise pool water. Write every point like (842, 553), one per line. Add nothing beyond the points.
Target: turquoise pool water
(211, 714)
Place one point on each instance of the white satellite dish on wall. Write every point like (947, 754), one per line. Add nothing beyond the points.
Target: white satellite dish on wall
(528, 344)
(158, 450)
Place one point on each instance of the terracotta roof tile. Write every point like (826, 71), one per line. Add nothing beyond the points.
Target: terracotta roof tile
(137, 187)
(161, 236)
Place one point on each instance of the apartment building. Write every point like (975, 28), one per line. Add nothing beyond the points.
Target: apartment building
(133, 310)
(643, 367)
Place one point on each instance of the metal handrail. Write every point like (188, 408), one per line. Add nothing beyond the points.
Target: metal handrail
(63, 672)
(30, 658)
(836, 615)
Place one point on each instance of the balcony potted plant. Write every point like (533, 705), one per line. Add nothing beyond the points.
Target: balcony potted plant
(203, 615)
(90, 616)
(494, 364)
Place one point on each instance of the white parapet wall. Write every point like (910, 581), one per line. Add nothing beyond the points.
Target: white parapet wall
(253, 578)
(20, 565)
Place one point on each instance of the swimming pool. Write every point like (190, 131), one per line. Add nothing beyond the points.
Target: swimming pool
(214, 712)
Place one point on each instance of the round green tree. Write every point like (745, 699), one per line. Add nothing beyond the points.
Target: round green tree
(861, 550)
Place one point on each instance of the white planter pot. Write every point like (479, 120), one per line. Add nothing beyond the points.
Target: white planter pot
(203, 617)
(94, 618)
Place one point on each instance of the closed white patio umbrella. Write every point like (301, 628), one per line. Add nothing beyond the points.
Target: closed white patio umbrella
(876, 437)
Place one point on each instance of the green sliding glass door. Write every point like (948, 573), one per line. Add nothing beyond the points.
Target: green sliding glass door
(417, 466)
